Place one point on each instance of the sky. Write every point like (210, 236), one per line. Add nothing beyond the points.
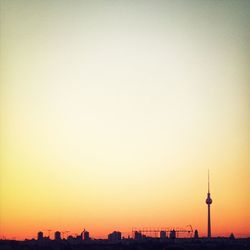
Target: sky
(112, 112)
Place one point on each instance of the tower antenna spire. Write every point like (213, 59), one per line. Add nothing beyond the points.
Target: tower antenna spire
(208, 182)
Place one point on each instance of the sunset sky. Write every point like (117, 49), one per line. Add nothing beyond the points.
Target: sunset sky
(112, 112)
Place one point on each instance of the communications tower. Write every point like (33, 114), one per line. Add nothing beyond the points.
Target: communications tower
(209, 202)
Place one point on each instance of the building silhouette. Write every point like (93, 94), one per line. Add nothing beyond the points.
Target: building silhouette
(115, 236)
(86, 235)
(163, 234)
(40, 235)
(57, 235)
(138, 235)
(172, 234)
(196, 234)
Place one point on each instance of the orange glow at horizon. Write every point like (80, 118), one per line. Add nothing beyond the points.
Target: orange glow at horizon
(112, 112)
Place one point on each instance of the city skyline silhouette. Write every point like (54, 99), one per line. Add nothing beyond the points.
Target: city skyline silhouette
(139, 233)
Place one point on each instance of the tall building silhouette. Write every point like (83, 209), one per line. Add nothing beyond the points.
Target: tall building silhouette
(40, 235)
(163, 234)
(57, 235)
(209, 202)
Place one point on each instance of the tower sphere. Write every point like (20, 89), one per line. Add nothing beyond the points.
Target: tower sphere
(208, 200)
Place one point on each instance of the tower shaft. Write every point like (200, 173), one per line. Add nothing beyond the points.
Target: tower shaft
(208, 222)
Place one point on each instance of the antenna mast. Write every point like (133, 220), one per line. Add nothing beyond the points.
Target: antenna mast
(208, 182)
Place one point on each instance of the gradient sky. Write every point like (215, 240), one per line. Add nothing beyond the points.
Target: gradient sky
(113, 111)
